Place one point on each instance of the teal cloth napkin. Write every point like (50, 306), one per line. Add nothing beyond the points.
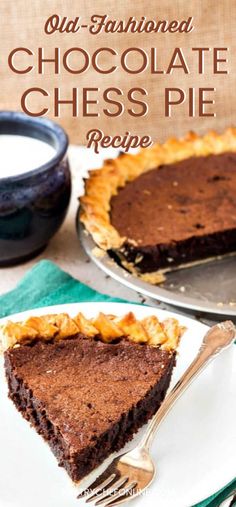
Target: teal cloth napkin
(45, 285)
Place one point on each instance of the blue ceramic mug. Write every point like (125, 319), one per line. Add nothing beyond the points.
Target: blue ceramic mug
(33, 204)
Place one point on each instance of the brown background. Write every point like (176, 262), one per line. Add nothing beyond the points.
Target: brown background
(22, 24)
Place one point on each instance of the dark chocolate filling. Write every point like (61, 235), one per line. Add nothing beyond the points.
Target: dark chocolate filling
(81, 426)
(178, 213)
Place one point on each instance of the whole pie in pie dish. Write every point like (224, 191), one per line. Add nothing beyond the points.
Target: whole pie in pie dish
(166, 207)
(87, 385)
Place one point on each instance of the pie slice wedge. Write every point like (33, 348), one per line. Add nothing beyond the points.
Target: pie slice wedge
(87, 385)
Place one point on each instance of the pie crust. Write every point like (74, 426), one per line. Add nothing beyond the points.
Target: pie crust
(87, 398)
(103, 184)
(108, 328)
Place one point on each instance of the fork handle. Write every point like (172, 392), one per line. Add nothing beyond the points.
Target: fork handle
(218, 338)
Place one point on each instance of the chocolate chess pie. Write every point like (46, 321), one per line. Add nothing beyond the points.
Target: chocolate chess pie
(87, 385)
(166, 207)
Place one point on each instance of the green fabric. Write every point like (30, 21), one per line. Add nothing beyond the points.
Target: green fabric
(47, 285)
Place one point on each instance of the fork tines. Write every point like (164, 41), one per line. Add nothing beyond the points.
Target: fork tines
(110, 491)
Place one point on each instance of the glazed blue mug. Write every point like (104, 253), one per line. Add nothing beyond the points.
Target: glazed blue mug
(33, 204)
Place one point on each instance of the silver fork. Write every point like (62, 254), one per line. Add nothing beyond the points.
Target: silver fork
(131, 473)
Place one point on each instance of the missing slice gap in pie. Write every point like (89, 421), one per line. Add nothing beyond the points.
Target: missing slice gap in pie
(167, 207)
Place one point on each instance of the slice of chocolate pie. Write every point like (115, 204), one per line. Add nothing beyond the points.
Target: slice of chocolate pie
(166, 207)
(88, 385)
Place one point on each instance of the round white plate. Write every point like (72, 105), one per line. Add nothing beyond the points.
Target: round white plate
(194, 449)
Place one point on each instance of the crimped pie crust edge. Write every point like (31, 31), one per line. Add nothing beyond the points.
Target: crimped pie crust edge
(150, 330)
(103, 184)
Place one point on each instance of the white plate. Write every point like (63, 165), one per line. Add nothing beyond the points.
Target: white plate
(194, 449)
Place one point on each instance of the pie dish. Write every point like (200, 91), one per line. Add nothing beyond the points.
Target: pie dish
(87, 385)
(167, 207)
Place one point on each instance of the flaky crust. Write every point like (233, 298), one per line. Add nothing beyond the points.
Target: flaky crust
(150, 330)
(102, 185)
